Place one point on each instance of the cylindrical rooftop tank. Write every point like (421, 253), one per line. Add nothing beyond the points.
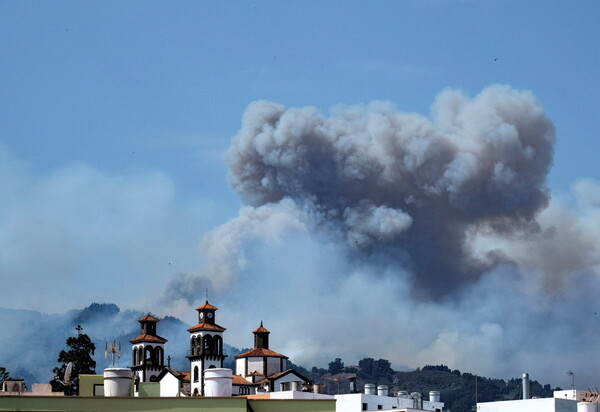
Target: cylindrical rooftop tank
(403, 394)
(317, 388)
(369, 389)
(382, 390)
(295, 386)
(586, 407)
(117, 382)
(217, 382)
(434, 396)
(526, 394)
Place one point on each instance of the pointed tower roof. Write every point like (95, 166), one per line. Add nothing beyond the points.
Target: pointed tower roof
(260, 329)
(207, 306)
(148, 318)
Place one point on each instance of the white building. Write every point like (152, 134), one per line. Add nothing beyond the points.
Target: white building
(173, 383)
(206, 347)
(262, 370)
(358, 402)
(148, 354)
(562, 401)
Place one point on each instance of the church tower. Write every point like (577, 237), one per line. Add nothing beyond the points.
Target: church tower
(206, 347)
(148, 354)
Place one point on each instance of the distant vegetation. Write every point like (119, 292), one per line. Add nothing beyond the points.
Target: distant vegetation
(457, 389)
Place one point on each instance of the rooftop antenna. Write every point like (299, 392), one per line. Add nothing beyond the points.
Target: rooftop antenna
(66, 382)
(68, 373)
(115, 351)
(572, 379)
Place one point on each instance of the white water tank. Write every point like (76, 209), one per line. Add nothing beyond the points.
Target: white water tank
(369, 389)
(382, 390)
(403, 394)
(317, 388)
(117, 381)
(217, 382)
(434, 396)
(586, 407)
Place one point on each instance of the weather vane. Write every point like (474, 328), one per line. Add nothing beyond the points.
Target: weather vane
(115, 351)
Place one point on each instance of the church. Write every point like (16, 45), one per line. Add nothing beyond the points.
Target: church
(259, 370)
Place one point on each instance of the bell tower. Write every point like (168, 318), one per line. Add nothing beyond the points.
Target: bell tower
(147, 351)
(206, 347)
(261, 337)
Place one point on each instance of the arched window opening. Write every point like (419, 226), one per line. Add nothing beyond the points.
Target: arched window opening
(153, 378)
(196, 392)
(140, 358)
(208, 344)
(159, 356)
(211, 367)
(149, 355)
(196, 374)
(134, 356)
(218, 345)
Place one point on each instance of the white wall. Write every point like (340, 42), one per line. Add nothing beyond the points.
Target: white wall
(353, 403)
(529, 405)
(240, 367)
(169, 386)
(255, 365)
(273, 366)
(287, 378)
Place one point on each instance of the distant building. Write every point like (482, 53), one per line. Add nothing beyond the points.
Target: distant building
(262, 370)
(562, 401)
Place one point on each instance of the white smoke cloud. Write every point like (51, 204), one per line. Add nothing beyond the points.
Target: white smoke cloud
(78, 234)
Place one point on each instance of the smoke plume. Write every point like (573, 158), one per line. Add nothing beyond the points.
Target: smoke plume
(399, 186)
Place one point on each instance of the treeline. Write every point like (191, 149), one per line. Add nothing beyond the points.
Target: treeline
(458, 390)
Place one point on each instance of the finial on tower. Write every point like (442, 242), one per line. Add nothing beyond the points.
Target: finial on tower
(206, 295)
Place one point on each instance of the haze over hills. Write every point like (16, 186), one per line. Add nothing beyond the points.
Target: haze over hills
(33, 340)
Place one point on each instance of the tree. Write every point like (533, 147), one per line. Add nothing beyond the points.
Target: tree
(3, 374)
(82, 349)
(335, 367)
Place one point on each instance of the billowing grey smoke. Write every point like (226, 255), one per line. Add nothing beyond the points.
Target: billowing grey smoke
(399, 185)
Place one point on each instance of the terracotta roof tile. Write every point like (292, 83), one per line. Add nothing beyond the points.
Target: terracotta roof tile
(186, 375)
(207, 306)
(206, 326)
(240, 380)
(148, 338)
(148, 318)
(260, 352)
(260, 329)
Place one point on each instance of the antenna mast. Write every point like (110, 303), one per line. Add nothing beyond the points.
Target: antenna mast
(115, 351)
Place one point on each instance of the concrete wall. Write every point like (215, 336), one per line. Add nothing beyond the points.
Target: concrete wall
(101, 404)
(149, 389)
(87, 382)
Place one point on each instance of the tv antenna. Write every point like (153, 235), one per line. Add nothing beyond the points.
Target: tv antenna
(572, 374)
(114, 350)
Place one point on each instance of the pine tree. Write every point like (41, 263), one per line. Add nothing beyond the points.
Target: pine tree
(3, 374)
(82, 349)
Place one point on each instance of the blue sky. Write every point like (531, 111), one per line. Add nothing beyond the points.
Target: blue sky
(114, 118)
